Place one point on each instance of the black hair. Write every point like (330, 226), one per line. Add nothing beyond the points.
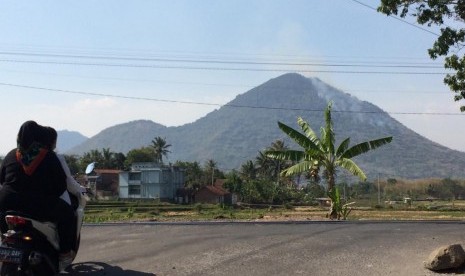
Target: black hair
(50, 137)
(29, 133)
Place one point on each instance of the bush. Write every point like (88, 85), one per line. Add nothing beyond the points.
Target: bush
(155, 212)
(198, 207)
(288, 206)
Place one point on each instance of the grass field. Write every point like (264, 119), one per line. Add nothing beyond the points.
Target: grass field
(114, 211)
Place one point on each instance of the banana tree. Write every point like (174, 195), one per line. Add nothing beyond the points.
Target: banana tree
(321, 152)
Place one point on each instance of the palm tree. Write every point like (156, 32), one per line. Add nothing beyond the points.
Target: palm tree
(160, 148)
(107, 158)
(248, 170)
(90, 157)
(210, 167)
(192, 173)
(321, 152)
(271, 167)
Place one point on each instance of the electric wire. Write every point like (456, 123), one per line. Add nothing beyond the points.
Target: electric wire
(224, 68)
(397, 18)
(245, 86)
(224, 105)
(234, 62)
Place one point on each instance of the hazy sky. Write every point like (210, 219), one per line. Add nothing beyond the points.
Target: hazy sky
(87, 65)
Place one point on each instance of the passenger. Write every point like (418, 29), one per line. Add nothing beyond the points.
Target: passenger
(72, 185)
(32, 180)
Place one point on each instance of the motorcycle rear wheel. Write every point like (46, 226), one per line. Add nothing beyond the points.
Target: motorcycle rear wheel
(8, 269)
(11, 270)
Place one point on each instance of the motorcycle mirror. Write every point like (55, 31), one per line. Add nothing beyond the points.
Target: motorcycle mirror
(90, 168)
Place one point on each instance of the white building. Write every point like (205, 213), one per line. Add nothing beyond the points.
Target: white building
(150, 180)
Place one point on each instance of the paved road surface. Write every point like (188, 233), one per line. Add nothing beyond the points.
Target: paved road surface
(313, 248)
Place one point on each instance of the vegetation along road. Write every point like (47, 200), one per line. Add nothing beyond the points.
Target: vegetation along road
(262, 248)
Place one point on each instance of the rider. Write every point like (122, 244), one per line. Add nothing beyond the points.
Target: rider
(32, 180)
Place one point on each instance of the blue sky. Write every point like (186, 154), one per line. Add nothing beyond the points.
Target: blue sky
(58, 59)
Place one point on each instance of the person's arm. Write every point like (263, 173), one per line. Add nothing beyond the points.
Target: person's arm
(71, 184)
(2, 174)
(58, 177)
(6, 160)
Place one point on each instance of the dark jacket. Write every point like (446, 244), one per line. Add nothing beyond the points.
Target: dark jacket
(37, 192)
(47, 181)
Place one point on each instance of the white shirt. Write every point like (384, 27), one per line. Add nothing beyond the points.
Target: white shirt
(71, 184)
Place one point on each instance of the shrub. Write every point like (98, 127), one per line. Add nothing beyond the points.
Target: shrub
(288, 206)
(198, 207)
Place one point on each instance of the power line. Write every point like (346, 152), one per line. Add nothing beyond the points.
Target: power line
(233, 62)
(222, 68)
(135, 52)
(129, 79)
(397, 18)
(103, 95)
(247, 86)
(226, 105)
(389, 91)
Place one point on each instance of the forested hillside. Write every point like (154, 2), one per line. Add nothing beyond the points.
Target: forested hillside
(237, 131)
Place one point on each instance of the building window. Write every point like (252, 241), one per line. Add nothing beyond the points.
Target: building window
(134, 190)
(166, 176)
(134, 176)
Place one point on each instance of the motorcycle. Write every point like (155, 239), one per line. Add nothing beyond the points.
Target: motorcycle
(31, 246)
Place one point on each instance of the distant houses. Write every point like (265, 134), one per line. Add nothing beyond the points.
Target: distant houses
(149, 180)
(215, 194)
(103, 183)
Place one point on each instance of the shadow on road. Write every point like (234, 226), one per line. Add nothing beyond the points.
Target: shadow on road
(94, 269)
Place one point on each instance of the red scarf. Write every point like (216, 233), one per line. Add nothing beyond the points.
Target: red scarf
(31, 158)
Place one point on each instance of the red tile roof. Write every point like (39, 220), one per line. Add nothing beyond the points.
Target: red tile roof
(217, 190)
(100, 171)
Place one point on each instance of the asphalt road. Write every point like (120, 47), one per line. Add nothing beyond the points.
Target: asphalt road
(311, 248)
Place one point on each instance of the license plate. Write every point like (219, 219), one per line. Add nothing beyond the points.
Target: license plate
(10, 255)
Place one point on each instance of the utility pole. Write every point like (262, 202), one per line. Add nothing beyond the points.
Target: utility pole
(344, 187)
(379, 193)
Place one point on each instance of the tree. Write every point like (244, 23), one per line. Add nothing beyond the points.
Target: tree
(160, 148)
(107, 158)
(321, 151)
(248, 170)
(73, 163)
(451, 39)
(233, 182)
(144, 154)
(452, 187)
(193, 173)
(119, 161)
(314, 190)
(270, 167)
(89, 157)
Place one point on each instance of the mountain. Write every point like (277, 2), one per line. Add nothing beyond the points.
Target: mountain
(237, 131)
(69, 139)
